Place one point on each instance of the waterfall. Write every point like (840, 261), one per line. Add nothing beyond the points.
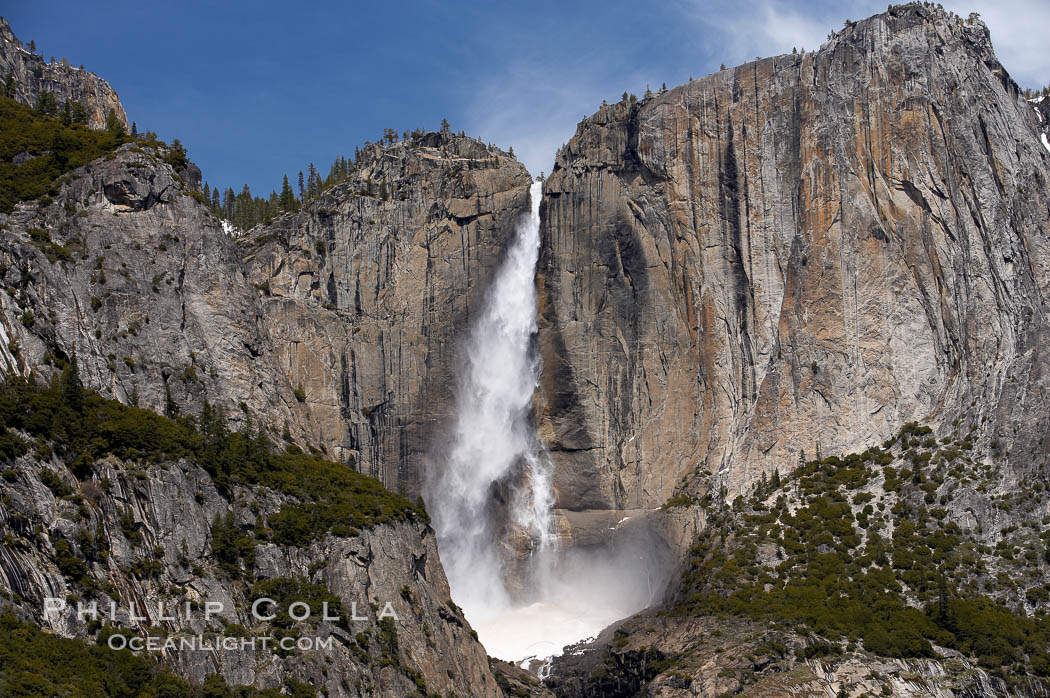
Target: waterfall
(490, 492)
(494, 452)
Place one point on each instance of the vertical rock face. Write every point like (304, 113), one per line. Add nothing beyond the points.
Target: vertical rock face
(801, 253)
(368, 289)
(123, 266)
(33, 76)
(339, 321)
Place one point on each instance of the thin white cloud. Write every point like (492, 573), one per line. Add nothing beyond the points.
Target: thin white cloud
(535, 106)
(742, 31)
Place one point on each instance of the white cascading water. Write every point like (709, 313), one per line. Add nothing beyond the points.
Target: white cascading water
(493, 435)
(496, 476)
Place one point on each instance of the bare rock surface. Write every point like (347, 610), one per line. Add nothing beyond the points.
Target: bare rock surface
(34, 76)
(798, 254)
(146, 536)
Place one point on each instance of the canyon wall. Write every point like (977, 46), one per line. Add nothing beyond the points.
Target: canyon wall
(141, 536)
(799, 254)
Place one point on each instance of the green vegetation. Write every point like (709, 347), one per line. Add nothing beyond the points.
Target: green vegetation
(825, 551)
(81, 427)
(52, 145)
(1029, 93)
(35, 663)
(679, 500)
(285, 591)
(230, 545)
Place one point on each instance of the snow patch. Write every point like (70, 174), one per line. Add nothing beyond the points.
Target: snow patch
(1046, 143)
(228, 228)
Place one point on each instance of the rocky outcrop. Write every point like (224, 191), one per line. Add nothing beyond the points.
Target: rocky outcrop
(34, 76)
(140, 536)
(366, 292)
(124, 266)
(798, 254)
(919, 509)
(687, 657)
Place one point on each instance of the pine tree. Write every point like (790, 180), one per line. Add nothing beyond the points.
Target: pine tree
(944, 609)
(134, 130)
(287, 198)
(313, 184)
(227, 204)
(46, 104)
(207, 419)
(114, 126)
(241, 211)
(171, 409)
(80, 114)
(302, 189)
(72, 388)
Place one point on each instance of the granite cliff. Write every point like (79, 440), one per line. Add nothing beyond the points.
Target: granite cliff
(154, 531)
(32, 76)
(787, 262)
(799, 254)
(367, 291)
(338, 321)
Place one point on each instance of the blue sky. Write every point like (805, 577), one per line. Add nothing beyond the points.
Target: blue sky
(259, 89)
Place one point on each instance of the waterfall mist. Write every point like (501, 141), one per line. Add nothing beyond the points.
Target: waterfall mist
(490, 492)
